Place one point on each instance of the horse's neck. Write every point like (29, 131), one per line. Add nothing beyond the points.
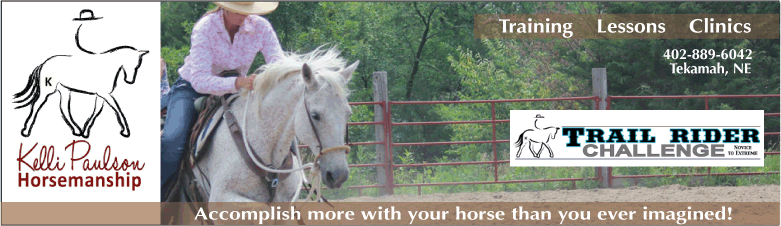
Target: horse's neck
(271, 131)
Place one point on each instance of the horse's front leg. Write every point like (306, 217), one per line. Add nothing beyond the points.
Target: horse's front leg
(65, 109)
(118, 112)
(286, 188)
(229, 196)
(537, 154)
(549, 149)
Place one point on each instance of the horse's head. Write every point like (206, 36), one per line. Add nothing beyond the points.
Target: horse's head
(136, 65)
(321, 118)
(553, 135)
(131, 60)
(310, 92)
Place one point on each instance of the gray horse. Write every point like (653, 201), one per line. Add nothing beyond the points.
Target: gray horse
(286, 96)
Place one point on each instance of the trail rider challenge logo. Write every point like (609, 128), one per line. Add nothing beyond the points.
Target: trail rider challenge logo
(638, 138)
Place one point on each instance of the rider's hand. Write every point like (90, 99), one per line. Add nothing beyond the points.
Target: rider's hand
(245, 82)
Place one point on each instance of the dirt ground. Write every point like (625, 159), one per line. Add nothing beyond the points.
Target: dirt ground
(670, 193)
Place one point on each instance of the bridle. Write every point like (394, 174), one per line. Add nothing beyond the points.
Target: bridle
(317, 136)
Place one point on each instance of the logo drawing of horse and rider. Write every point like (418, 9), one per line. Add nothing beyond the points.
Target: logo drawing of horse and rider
(536, 139)
(86, 72)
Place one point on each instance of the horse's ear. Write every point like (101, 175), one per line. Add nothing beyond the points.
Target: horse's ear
(347, 73)
(307, 73)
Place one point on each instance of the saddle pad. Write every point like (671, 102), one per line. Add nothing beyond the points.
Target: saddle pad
(208, 130)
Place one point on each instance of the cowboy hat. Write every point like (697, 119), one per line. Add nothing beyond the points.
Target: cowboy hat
(538, 116)
(91, 16)
(248, 8)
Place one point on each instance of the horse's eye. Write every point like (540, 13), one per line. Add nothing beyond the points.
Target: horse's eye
(316, 116)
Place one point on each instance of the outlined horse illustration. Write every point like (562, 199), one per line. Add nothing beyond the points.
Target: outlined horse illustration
(540, 136)
(93, 74)
(87, 73)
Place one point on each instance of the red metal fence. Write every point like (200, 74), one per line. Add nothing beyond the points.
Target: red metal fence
(388, 124)
(706, 98)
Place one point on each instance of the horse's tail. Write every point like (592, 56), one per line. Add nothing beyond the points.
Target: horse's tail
(32, 90)
(519, 142)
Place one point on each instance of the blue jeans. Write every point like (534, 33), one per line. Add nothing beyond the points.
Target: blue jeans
(164, 99)
(176, 129)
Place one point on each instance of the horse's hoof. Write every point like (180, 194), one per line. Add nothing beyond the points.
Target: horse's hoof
(125, 133)
(25, 133)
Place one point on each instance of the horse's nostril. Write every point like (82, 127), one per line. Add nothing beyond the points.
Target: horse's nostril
(329, 177)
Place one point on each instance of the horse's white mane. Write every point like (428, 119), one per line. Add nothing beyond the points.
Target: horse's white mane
(325, 65)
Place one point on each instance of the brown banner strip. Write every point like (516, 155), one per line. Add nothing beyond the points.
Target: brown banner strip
(396, 213)
(461, 213)
(626, 26)
(81, 213)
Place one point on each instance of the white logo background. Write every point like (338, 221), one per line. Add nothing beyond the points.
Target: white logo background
(33, 32)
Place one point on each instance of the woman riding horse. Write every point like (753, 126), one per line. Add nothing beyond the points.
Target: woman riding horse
(226, 38)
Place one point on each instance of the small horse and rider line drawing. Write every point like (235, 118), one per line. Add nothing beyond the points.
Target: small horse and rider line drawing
(536, 136)
(86, 73)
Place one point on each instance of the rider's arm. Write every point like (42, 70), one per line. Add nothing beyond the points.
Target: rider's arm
(269, 42)
(197, 67)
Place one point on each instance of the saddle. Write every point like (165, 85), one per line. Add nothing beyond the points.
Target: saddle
(185, 187)
(209, 118)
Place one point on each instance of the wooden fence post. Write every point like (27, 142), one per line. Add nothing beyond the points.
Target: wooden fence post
(380, 81)
(599, 84)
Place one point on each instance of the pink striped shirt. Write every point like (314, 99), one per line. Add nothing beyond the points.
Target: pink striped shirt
(211, 52)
